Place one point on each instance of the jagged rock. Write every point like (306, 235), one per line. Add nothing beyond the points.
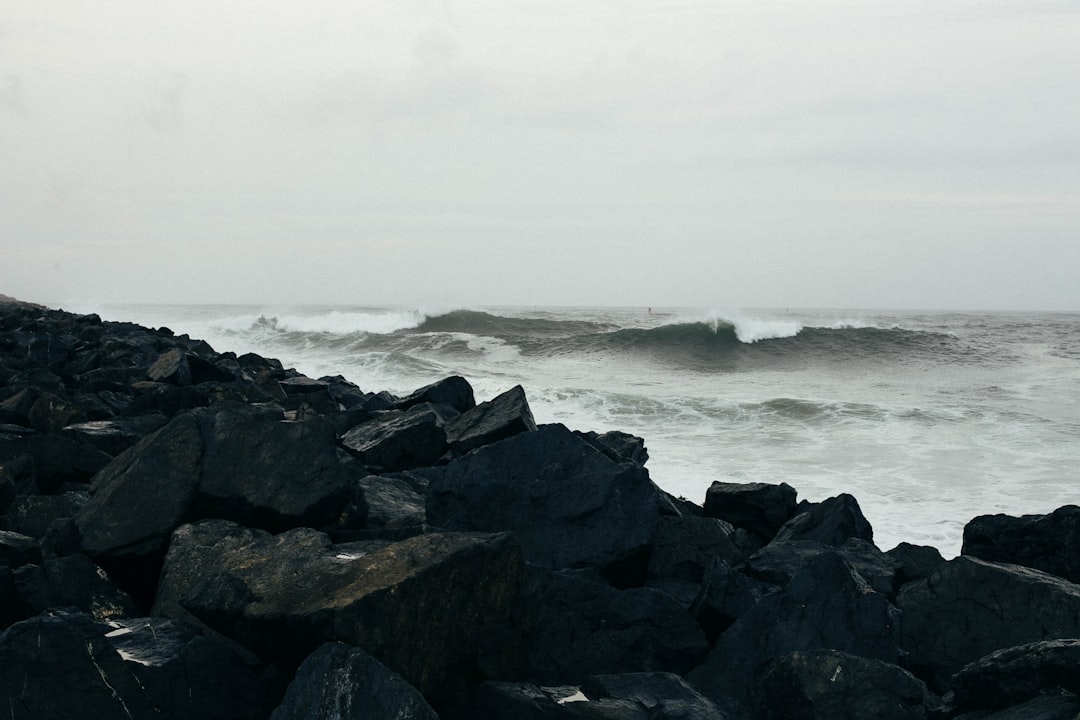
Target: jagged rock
(50, 413)
(1050, 543)
(969, 608)
(47, 462)
(72, 582)
(67, 665)
(340, 682)
(505, 415)
(454, 391)
(569, 505)
(777, 562)
(115, 435)
(825, 605)
(17, 407)
(33, 514)
(435, 608)
(399, 439)
(209, 371)
(831, 685)
(832, 522)
(585, 627)
(759, 508)
(17, 550)
(618, 445)
(915, 561)
(145, 493)
(725, 595)
(271, 474)
(171, 367)
(389, 502)
(684, 546)
(1018, 674)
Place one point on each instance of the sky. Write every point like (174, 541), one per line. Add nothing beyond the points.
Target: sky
(732, 153)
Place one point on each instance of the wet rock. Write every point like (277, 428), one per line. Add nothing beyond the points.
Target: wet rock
(969, 608)
(661, 695)
(17, 550)
(915, 561)
(569, 505)
(619, 446)
(115, 435)
(584, 627)
(505, 415)
(831, 685)
(726, 594)
(454, 391)
(826, 605)
(831, 522)
(341, 682)
(434, 608)
(1054, 706)
(1015, 675)
(399, 439)
(759, 508)
(170, 367)
(779, 561)
(1050, 543)
(33, 514)
(72, 582)
(684, 546)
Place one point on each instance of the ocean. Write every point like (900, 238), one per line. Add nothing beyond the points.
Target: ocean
(927, 418)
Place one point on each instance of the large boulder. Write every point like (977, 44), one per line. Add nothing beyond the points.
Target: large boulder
(779, 561)
(826, 605)
(584, 627)
(454, 391)
(685, 545)
(117, 434)
(758, 508)
(435, 608)
(831, 522)
(399, 439)
(341, 682)
(72, 582)
(67, 665)
(831, 685)
(969, 608)
(569, 505)
(505, 415)
(1050, 543)
(1015, 675)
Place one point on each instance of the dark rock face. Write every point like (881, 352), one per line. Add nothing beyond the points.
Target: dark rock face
(399, 439)
(684, 546)
(340, 682)
(831, 522)
(505, 415)
(72, 582)
(779, 561)
(283, 595)
(619, 446)
(66, 665)
(1050, 543)
(1018, 674)
(831, 685)
(827, 605)
(970, 608)
(584, 627)
(569, 505)
(915, 562)
(453, 391)
(759, 508)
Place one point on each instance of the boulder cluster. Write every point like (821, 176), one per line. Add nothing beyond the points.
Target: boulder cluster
(192, 534)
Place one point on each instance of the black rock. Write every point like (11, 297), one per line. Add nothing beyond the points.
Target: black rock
(832, 522)
(915, 561)
(619, 446)
(1018, 674)
(831, 685)
(1052, 706)
(969, 608)
(725, 595)
(171, 367)
(759, 508)
(72, 582)
(527, 701)
(779, 561)
(1050, 543)
(585, 627)
(435, 608)
(505, 415)
(826, 605)
(662, 695)
(399, 439)
(453, 391)
(341, 682)
(115, 435)
(388, 502)
(33, 514)
(17, 550)
(684, 546)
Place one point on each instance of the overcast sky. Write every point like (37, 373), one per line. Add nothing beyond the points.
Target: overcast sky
(758, 153)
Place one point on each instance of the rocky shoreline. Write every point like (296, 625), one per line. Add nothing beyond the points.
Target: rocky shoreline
(186, 533)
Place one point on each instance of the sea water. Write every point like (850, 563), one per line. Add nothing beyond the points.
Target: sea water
(928, 419)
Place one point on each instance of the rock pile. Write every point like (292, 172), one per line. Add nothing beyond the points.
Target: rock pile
(193, 534)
